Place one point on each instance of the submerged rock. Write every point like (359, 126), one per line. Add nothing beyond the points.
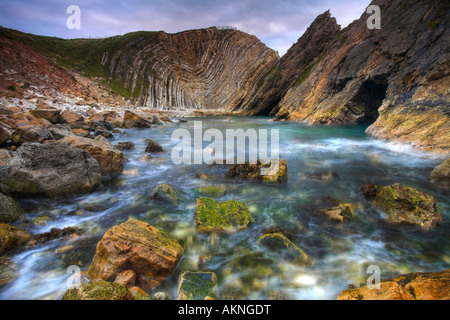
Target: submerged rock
(370, 190)
(10, 211)
(110, 159)
(165, 193)
(408, 206)
(281, 244)
(277, 174)
(98, 290)
(411, 286)
(54, 169)
(54, 233)
(11, 237)
(336, 211)
(441, 173)
(211, 191)
(9, 271)
(228, 216)
(135, 245)
(197, 286)
(322, 176)
(132, 120)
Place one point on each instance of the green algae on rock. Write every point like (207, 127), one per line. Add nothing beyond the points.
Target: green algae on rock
(211, 191)
(197, 286)
(278, 241)
(228, 216)
(11, 237)
(165, 193)
(405, 205)
(277, 173)
(98, 290)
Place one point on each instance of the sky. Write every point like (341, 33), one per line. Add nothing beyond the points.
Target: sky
(278, 24)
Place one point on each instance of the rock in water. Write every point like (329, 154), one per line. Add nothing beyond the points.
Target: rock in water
(441, 173)
(279, 243)
(408, 206)
(52, 170)
(110, 159)
(11, 237)
(98, 290)
(166, 193)
(8, 271)
(276, 174)
(411, 286)
(10, 211)
(215, 216)
(125, 146)
(153, 147)
(197, 286)
(132, 120)
(135, 245)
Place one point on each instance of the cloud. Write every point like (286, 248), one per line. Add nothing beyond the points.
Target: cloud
(277, 23)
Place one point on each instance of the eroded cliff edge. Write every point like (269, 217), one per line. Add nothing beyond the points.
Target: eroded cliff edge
(396, 77)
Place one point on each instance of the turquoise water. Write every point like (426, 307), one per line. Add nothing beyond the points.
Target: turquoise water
(342, 252)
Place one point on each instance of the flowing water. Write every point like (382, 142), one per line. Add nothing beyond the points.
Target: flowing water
(245, 270)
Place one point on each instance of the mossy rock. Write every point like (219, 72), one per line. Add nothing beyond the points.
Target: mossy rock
(278, 241)
(8, 271)
(40, 221)
(99, 290)
(197, 286)
(253, 171)
(12, 237)
(227, 216)
(10, 211)
(165, 193)
(404, 205)
(139, 294)
(212, 191)
(153, 147)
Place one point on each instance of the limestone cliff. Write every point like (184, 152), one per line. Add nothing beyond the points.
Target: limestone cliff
(396, 77)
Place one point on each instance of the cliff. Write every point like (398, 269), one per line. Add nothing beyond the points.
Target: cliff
(198, 69)
(396, 78)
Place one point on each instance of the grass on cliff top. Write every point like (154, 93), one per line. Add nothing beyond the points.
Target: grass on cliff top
(84, 55)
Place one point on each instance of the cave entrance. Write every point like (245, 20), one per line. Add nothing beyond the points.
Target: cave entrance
(370, 96)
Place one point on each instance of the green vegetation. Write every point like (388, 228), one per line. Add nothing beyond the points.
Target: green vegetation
(85, 55)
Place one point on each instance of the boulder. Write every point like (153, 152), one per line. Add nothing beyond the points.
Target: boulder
(197, 286)
(98, 290)
(31, 133)
(279, 243)
(75, 120)
(126, 278)
(51, 170)
(81, 133)
(135, 245)
(99, 131)
(5, 156)
(11, 237)
(228, 216)
(10, 211)
(277, 174)
(153, 147)
(411, 286)
(110, 159)
(60, 131)
(52, 115)
(405, 205)
(441, 174)
(5, 132)
(125, 146)
(132, 120)
(165, 193)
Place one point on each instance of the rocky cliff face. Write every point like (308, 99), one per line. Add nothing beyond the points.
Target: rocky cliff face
(396, 77)
(199, 69)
